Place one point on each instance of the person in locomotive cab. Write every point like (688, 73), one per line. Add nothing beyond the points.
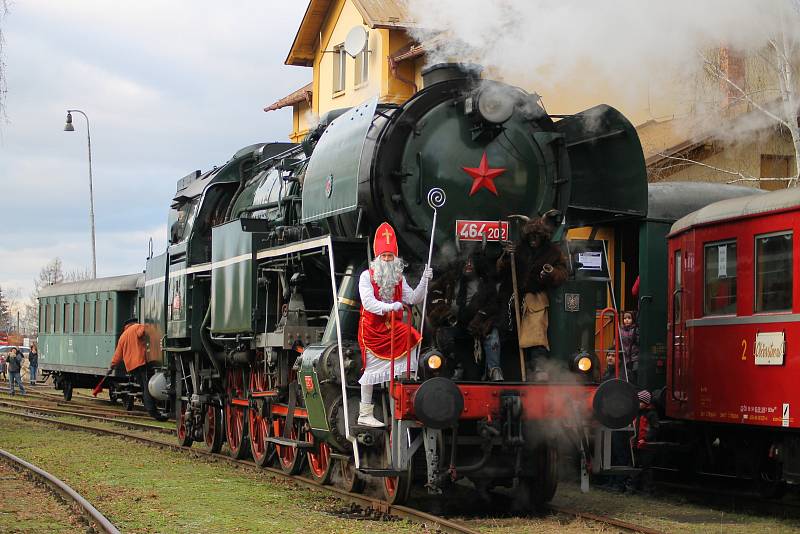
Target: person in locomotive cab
(384, 290)
(131, 350)
(464, 307)
(540, 265)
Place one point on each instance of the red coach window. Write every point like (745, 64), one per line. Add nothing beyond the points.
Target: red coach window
(720, 278)
(773, 291)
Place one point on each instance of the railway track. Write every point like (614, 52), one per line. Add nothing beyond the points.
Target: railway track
(377, 506)
(97, 521)
(59, 412)
(99, 407)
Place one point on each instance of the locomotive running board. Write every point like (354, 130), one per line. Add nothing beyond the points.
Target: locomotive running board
(376, 472)
(286, 442)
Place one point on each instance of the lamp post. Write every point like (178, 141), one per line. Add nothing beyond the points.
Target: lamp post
(69, 128)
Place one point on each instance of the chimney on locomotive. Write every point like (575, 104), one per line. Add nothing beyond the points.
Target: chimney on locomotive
(444, 72)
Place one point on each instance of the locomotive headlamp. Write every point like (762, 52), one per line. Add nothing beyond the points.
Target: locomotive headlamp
(495, 104)
(434, 361)
(583, 363)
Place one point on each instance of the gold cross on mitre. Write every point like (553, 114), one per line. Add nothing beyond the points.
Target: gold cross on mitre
(387, 234)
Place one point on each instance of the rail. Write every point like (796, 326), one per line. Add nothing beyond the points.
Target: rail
(430, 521)
(91, 513)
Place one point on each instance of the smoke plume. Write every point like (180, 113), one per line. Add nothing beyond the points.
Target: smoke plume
(642, 52)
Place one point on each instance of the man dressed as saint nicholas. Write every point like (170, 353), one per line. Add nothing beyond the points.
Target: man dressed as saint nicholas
(384, 290)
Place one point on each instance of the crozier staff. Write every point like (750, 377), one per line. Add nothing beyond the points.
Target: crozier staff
(384, 290)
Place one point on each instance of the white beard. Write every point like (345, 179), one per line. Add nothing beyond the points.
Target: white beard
(387, 274)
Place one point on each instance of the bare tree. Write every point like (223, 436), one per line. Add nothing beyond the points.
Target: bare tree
(5, 313)
(76, 275)
(52, 273)
(771, 101)
(3, 85)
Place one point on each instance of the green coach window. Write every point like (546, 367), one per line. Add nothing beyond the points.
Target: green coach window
(86, 323)
(98, 317)
(59, 324)
(109, 316)
(48, 318)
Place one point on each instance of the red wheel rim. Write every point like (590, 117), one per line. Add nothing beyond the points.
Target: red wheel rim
(259, 432)
(259, 426)
(211, 426)
(182, 422)
(286, 454)
(234, 415)
(391, 485)
(319, 461)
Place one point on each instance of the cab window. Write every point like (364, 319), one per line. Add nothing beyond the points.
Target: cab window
(181, 219)
(720, 278)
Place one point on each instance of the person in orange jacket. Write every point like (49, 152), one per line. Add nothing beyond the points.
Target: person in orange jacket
(131, 350)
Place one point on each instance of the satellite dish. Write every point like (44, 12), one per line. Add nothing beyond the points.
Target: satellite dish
(356, 41)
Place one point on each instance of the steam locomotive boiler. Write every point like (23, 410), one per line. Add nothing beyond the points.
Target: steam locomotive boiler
(253, 310)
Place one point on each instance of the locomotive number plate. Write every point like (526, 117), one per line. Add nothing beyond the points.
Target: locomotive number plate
(475, 230)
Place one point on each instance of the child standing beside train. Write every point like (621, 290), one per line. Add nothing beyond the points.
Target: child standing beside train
(629, 339)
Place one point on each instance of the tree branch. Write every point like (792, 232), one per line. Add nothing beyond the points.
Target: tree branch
(714, 70)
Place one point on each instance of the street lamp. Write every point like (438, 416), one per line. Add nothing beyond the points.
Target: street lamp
(69, 128)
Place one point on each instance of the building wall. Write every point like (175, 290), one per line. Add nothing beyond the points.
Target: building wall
(745, 157)
(343, 17)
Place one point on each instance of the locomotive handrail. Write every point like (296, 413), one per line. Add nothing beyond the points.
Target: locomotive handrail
(328, 242)
(677, 312)
(615, 317)
(406, 309)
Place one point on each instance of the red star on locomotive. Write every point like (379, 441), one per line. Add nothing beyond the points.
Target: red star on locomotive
(483, 176)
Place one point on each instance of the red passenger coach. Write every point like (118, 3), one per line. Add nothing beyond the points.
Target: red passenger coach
(734, 327)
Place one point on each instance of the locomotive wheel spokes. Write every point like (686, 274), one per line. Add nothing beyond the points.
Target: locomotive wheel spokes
(319, 460)
(236, 415)
(260, 429)
(290, 461)
(395, 489)
(349, 479)
(184, 437)
(212, 428)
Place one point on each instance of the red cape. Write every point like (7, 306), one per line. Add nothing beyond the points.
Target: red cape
(375, 331)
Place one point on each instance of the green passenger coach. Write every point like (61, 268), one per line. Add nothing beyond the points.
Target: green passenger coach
(80, 323)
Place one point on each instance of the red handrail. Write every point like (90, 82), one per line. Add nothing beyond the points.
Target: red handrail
(406, 308)
(615, 316)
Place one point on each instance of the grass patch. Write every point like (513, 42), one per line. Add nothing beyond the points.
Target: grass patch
(144, 489)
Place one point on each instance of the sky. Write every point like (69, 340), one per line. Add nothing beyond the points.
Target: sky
(169, 87)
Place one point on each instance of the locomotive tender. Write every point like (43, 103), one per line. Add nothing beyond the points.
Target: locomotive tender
(252, 311)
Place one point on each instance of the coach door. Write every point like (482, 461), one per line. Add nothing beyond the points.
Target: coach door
(678, 330)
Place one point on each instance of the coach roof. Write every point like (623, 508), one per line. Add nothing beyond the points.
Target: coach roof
(739, 207)
(127, 282)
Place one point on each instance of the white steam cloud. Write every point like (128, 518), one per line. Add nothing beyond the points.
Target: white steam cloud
(641, 51)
